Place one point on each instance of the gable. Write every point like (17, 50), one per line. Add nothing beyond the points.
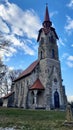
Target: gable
(37, 85)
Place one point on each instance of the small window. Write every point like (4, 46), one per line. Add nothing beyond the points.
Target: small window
(55, 80)
(27, 83)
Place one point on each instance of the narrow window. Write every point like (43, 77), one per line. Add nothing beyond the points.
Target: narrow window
(55, 80)
(21, 89)
(56, 100)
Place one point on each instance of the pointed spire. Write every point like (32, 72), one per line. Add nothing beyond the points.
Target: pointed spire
(47, 18)
(47, 22)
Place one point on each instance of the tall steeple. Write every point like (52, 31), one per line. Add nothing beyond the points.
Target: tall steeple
(47, 25)
(46, 18)
(47, 22)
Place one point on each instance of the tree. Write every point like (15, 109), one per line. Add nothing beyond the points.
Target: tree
(4, 44)
(6, 78)
(6, 75)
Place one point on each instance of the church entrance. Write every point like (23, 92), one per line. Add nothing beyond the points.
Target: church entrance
(56, 100)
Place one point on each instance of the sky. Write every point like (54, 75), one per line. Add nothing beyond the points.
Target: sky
(20, 21)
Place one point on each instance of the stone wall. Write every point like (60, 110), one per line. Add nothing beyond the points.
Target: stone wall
(22, 88)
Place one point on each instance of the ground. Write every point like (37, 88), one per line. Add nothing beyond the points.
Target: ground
(32, 119)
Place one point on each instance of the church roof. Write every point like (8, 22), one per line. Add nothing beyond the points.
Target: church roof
(37, 85)
(28, 70)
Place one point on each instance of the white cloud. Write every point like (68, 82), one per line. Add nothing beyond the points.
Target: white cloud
(60, 42)
(70, 58)
(21, 22)
(64, 56)
(11, 68)
(69, 25)
(70, 4)
(19, 27)
(4, 27)
(21, 44)
(53, 13)
(69, 61)
(70, 98)
(70, 64)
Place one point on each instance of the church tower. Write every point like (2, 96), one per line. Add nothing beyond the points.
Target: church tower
(49, 64)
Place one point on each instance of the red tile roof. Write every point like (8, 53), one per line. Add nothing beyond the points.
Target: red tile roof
(28, 70)
(37, 85)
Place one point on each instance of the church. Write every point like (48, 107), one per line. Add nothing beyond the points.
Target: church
(40, 85)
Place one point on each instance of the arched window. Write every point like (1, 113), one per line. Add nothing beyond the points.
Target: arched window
(56, 100)
(53, 53)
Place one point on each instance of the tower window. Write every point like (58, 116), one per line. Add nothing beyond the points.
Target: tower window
(55, 80)
(53, 53)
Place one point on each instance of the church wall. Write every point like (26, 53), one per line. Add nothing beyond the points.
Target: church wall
(40, 99)
(46, 46)
(22, 87)
(47, 76)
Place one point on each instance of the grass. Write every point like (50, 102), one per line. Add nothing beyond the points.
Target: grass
(32, 119)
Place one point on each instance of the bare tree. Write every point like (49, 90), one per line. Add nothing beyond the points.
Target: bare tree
(6, 75)
(4, 44)
(3, 70)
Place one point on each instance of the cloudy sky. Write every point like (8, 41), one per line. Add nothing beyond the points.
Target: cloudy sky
(20, 21)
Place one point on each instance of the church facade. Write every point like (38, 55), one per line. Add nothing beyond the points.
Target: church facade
(40, 85)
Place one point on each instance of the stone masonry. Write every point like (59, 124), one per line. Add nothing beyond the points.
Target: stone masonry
(40, 85)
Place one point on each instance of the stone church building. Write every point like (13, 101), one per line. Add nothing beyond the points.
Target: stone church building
(40, 85)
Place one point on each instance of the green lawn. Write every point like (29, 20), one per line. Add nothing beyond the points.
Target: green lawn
(32, 119)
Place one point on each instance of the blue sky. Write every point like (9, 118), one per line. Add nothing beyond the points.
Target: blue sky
(20, 21)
